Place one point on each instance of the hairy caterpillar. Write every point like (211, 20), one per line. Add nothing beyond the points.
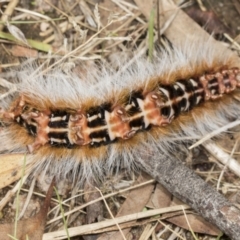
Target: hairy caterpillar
(103, 120)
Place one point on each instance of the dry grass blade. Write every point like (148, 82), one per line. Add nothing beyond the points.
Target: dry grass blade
(214, 133)
(223, 157)
(99, 199)
(91, 227)
(8, 12)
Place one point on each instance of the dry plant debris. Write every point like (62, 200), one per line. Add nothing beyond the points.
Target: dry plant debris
(72, 32)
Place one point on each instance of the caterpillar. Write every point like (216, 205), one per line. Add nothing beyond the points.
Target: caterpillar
(89, 125)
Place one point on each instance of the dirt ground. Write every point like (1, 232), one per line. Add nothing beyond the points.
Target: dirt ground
(80, 31)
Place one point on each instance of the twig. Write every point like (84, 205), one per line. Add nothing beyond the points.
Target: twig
(183, 183)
